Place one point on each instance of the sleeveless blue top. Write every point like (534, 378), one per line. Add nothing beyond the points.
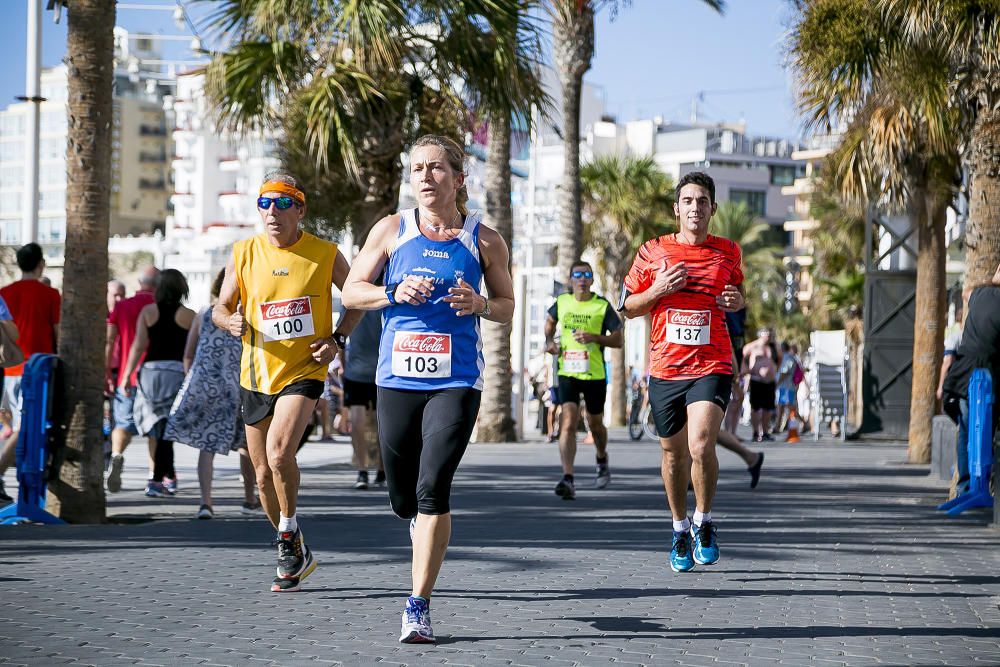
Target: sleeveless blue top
(427, 346)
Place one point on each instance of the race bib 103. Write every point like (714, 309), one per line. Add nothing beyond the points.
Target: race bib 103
(421, 355)
(284, 320)
(689, 327)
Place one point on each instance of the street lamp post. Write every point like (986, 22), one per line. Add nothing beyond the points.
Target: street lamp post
(33, 85)
(524, 323)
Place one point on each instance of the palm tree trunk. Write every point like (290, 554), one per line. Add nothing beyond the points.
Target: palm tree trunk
(573, 49)
(982, 239)
(380, 168)
(496, 424)
(78, 494)
(928, 214)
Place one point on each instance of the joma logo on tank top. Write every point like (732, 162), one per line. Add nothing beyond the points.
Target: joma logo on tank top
(440, 254)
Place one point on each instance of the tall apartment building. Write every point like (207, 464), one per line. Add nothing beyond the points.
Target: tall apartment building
(215, 179)
(801, 224)
(140, 148)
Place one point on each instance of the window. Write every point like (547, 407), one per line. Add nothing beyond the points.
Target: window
(12, 176)
(52, 200)
(52, 149)
(11, 151)
(755, 200)
(52, 230)
(783, 175)
(10, 232)
(54, 121)
(11, 124)
(11, 204)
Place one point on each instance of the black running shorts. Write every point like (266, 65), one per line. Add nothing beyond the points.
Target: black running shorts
(668, 399)
(593, 391)
(761, 395)
(258, 407)
(364, 394)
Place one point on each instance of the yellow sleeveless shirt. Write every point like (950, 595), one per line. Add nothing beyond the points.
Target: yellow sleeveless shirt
(287, 302)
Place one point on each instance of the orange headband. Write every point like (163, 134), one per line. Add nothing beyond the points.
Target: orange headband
(283, 188)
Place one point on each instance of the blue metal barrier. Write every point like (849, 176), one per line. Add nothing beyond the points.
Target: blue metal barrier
(37, 389)
(980, 445)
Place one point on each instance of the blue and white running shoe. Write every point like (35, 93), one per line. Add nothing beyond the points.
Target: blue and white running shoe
(416, 623)
(706, 546)
(680, 552)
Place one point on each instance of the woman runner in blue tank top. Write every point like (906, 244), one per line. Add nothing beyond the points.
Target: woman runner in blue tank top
(430, 368)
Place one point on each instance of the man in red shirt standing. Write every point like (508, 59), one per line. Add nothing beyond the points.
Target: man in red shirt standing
(35, 307)
(688, 281)
(122, 323)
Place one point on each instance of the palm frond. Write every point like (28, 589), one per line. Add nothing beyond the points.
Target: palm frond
(247, 84)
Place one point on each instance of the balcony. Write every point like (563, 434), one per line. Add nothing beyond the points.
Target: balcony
(801, 225)
(802, 186)
(229, 163)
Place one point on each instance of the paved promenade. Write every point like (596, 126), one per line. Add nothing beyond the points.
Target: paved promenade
(838, 557)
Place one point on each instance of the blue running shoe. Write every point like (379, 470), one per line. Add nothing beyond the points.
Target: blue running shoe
(706, 547)
(416, 628)
(680, 552)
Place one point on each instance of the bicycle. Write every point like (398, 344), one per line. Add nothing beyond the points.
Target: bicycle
(640, 418)
(635, 415)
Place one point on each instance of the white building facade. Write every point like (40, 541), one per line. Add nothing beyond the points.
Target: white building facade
(140, 150)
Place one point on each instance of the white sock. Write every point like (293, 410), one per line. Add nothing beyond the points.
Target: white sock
(682, 526)
(287, 523)
(700, 518)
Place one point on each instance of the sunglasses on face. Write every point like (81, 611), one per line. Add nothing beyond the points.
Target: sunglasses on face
(583, 274)
(282, 203)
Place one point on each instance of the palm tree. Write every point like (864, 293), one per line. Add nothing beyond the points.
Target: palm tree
(762, 268)
(78, 494)
(353, 83)
(900, 151)
(966, 34)
(496, 422)
(627, 200)
(573, 48)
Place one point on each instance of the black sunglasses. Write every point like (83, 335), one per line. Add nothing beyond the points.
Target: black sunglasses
(282, 203)
(583, 274)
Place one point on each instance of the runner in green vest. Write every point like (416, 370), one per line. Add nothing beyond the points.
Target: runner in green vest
(587, 324)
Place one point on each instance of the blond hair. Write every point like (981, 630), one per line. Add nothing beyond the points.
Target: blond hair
(456, 159)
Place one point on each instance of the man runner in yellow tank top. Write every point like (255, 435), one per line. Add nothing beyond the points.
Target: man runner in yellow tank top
(276, 297)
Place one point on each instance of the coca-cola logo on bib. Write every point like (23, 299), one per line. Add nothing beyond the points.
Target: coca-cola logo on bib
(422, 342)
(282, 309)
(688, 318)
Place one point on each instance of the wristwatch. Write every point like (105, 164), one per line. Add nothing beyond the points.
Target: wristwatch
(486, 309)
(390, 293)
(340, 340)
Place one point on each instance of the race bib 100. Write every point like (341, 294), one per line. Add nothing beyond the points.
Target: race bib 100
(284, 320)
(421, 355)
(576, 361)
(689, 327)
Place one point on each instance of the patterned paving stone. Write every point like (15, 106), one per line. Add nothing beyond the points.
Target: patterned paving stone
(837, 558)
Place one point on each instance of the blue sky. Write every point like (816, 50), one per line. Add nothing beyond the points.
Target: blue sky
(652, 60)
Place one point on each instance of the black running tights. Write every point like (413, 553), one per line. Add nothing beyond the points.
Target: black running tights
(163, 460)
(423, 435)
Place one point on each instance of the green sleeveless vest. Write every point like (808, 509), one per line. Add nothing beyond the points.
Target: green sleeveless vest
(576, 360)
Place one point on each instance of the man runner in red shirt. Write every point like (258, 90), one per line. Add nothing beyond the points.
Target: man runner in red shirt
(687, 281)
